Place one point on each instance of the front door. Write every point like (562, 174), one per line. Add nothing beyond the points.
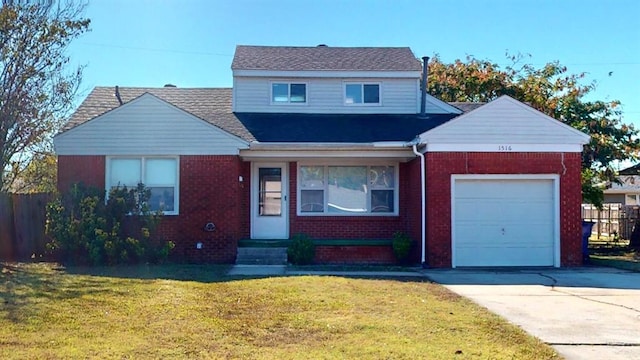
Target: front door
(269, 205)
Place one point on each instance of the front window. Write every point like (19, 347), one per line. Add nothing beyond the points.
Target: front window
(159, 175)
(347, 189)
(288, 93)
(358, 93)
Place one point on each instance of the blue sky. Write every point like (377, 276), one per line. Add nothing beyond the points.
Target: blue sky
(190, 43)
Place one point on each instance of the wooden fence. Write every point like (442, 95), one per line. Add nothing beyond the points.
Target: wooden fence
(22, 225)
(614, 221)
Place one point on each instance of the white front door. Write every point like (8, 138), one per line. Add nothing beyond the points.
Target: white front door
(269, 201)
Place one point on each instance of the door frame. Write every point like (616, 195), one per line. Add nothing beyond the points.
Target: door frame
(555, 178)
(253, 202)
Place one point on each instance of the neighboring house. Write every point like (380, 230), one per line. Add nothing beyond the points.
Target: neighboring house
(627, 191)
(339, 144)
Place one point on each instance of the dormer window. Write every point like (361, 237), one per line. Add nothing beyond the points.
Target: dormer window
(361, 93)
(288, 93)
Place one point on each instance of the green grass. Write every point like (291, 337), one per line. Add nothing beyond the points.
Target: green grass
(49, 312)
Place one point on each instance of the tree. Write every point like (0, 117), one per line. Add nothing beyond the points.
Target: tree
(39, 175)
(36, 88)
(553, 91)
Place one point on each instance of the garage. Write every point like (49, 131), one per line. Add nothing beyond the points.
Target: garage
(505, 220)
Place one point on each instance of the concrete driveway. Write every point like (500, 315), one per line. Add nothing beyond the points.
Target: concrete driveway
(584, 313)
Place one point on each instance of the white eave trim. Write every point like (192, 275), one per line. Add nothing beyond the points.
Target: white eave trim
(328, 146)
(327, 74)
(397, 151)
(621, 191)
(503, 148)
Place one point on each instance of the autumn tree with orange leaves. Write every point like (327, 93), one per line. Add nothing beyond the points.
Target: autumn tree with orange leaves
(554, 91)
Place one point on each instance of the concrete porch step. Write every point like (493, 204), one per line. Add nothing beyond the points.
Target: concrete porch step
(261, 256)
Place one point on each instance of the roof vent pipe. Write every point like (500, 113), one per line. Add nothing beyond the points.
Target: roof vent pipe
(118, 95)
(423, 100)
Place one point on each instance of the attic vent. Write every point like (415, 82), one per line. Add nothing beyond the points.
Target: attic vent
(169, 85)
(322, 45)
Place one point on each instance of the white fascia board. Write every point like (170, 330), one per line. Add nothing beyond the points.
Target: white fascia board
(399, 154)
(328, 74)
(503, 148)
(305, 146)
(330, 146)
(621, 191)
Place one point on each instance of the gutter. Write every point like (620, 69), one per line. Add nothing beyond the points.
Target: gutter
(327, 145)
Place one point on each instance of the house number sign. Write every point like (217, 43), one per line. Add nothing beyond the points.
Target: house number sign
(505, 148)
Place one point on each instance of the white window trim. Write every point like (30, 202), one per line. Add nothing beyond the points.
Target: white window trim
(326, 165)
(288, 102)
(176, 194)
(361, 83)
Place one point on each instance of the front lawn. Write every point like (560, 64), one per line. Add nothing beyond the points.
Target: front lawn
(49, 312)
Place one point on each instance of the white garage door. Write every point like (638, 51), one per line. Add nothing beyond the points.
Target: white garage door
(503, 222)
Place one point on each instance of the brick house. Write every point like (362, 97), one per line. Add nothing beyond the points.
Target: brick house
(339, 144)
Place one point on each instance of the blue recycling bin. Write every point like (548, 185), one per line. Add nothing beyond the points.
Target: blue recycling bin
(587, 226)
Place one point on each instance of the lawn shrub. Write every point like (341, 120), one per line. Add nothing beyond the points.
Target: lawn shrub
(301, 251)
(401, 245)
(83, 228)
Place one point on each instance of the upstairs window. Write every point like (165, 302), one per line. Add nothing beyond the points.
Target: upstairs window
(361, 93)
(288, 93)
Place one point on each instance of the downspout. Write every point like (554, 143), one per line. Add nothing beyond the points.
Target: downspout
(423, 201)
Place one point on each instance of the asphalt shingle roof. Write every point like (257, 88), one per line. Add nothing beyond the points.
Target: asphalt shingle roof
(210, 104)
(338, 128)
(467, 106)
(214, 106)
(287, 58)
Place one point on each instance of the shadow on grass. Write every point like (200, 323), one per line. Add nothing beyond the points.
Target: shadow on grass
(26, 287)
(23, 286)
(181, 272)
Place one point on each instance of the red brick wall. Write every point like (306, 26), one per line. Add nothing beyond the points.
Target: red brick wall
(413, 208)
(210, 191)
(354, 254)
(86, 169)
(440, 167)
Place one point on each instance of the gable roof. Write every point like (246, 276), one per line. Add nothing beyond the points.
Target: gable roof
(288, 58)
(213, 105)
(210, 104)
(505, 121)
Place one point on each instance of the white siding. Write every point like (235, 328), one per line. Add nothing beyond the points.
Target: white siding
(326, 95)
(147, 126)
(504, 121)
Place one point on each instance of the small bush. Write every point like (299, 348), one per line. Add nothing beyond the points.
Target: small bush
(401, 246)
(85, 229)
(302, 250)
